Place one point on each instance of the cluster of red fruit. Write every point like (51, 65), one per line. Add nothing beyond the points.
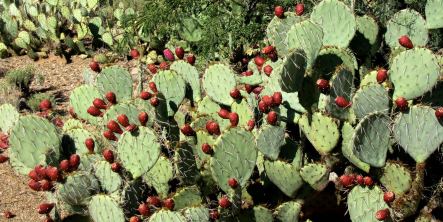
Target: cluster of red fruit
(169, 55)
(108, 155)
(299, 10)
(41, 178)
(4, 144)
(99, 104)
(383, 214)
(145, 95)
(114, 127)
(153, 201)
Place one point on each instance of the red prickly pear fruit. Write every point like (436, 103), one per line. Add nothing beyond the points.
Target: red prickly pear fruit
(359, 180)
(267, 49)
(108, 134)
(72, 112)
(272, 118)
(94, 66)
(187, 130)
(267, 100)
(116, 167)
(108, 155)
(135, 219)
(251, 125)
(180, 52)
(33, 175)
(322, 85)
(143, 209)
(64, 165)
(154, 101)
(169, 203)
(341, 102)
(346, 181)
(233, 183)
(245, 61)
(153, 87)
(368, 181)
(123, 120)
(213, 128)
(214, 214)
(45, 105)
(154, 201)
(114, 127)
(248, 73)
(135, 54)
(94, 111)
(233, 119)
(262, 106)
(268, 70)
(168, 55)
(58, 122)
(3, 158)
(235, 93)
(259, 61)
(224, 202)
(389, 196)
(273, 56)
(223, 113)
(48, 219)
(131, 128)
(405, 41)
(401, 103)
(206, 148)
(249, 88)
(90, 144)
(190, 59)
(382, 75)
(110, 96)
(257, 90)
(145, 95)
(4, 141)
(164, 66)
(152, 68)
(45, 208)
(143, 118)
(52, 173)
(277, 98)
(382, 215)
(74, 161)
(41, 171)
(279, 11)
(8, 215)
(299, 9)
(34, 185)
(439, 113)
(99, 103)
(45, 185)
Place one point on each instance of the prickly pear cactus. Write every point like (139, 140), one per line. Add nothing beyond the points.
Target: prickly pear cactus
(364, 202)
(8, 117)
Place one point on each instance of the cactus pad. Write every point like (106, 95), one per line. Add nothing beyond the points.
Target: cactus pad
(369, 99)
(434, 14)
(159, 175)
(414, 72)
(212, 79)
(418, 132)
(173, 88)
(26, 151)
(202, 137)
(74, 141)
(316, 175)
(115, 79)
(8, 117)
(243, 110)
(196, 214)
(229, 161)
(71, 124)
(109, 180)
(364, 202)
(138, 151)
(396, 178)
(187, 197)
(293, 71)
(330, 58)
(210, 108)
(104, 208)
(368, 27)
(347, 147)
(78, 188)
(190, 74)
(342, 84)
(277, 30)
(166, 215)
(81, 99)
(270, 139)
(289, 211)
(185, 164)
(284, 175)
(321, 131)
(337, 21)
(406, 22)
(129, 110)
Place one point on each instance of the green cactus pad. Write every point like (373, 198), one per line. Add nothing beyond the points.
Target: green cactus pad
(406, 22)
(364, 202)
(185, 164)
(78, 188)
(196, 214)
(337, 21)
(133, 193)
(418, 132)
(288, 211)
(159, 176)
(202, 137)
(103, 208)
(81, 99)
(434, 14)
(190, 75)
(308, 37)
(414, 72)
(371, 139)
(368, 27)
(212, 79)
(277, 30)
(369, 99)
(347, 147)
(270, 139)
(342, 84)
(173, 88)
(71, 124)
(87, 161)
(129, 110)
(138, 151)
(210, 108)
(243, 110)
(293, 71)
(115, 79)
(74, 141)
(396, 178)
(284, 175)
(330, 58)
(109, 181)
(25, 151)
(316, 175)
(229, 161)
(167, 215)
(8, 117)
(369, 79)
(187, 197)
(250, 80)
(321, 131)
